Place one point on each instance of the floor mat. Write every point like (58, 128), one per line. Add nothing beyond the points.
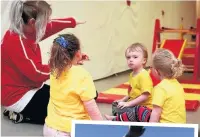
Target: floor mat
(192, 95)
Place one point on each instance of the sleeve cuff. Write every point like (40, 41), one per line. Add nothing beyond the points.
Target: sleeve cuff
(73, 21)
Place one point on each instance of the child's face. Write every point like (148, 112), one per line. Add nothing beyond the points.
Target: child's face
(135, 59)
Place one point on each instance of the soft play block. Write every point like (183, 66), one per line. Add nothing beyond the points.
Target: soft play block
(113, 94)
(192, 105)
(192, 95)
(108, 98)
(195, 91)
(191, 86)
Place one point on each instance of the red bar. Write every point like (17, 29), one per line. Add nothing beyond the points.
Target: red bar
(195, 91)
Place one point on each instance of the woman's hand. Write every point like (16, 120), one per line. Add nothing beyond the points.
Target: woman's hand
(81, 22)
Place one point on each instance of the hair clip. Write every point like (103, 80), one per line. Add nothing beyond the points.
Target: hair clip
(62, 42)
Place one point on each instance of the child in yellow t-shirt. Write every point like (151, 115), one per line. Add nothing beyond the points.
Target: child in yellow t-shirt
(72, 90)
(140, 83)
(168, 96)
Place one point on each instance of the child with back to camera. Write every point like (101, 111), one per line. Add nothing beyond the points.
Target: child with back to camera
(72, 90)
(139, 94)
(168, 96)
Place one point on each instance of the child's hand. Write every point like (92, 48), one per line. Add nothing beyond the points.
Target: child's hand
(123, 105)
(84, 58)
(116, 102)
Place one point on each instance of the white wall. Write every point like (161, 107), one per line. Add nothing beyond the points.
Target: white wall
(4, 16)
(198, 9)
(112, 26)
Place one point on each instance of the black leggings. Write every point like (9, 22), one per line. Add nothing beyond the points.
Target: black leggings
(36, 109)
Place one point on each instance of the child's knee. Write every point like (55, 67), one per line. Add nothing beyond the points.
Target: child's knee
(114, 108)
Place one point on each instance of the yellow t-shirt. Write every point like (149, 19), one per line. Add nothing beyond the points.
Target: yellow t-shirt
(141, 83)
(67, 95)
(169, 95)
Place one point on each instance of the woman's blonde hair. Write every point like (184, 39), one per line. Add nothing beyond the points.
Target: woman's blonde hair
(23, 10)
(165, 62)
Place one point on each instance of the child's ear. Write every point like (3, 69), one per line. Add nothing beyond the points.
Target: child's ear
(144, 61)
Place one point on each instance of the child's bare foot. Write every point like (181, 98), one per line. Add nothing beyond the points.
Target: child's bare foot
(108, 117)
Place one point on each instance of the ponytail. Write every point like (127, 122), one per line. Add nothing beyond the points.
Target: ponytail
(21, 11)
(165, 61)
(16, 22)
(177, 68)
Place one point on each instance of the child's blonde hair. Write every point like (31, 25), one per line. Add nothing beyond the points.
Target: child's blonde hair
(165, 62)
(138, 47)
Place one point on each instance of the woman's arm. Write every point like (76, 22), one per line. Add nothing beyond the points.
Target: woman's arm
(31, 68)
(57, 25)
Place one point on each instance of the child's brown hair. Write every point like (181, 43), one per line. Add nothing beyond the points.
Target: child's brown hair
(63, 52)
(165, 62)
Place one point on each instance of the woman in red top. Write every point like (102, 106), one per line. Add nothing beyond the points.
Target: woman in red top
(24, 94)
